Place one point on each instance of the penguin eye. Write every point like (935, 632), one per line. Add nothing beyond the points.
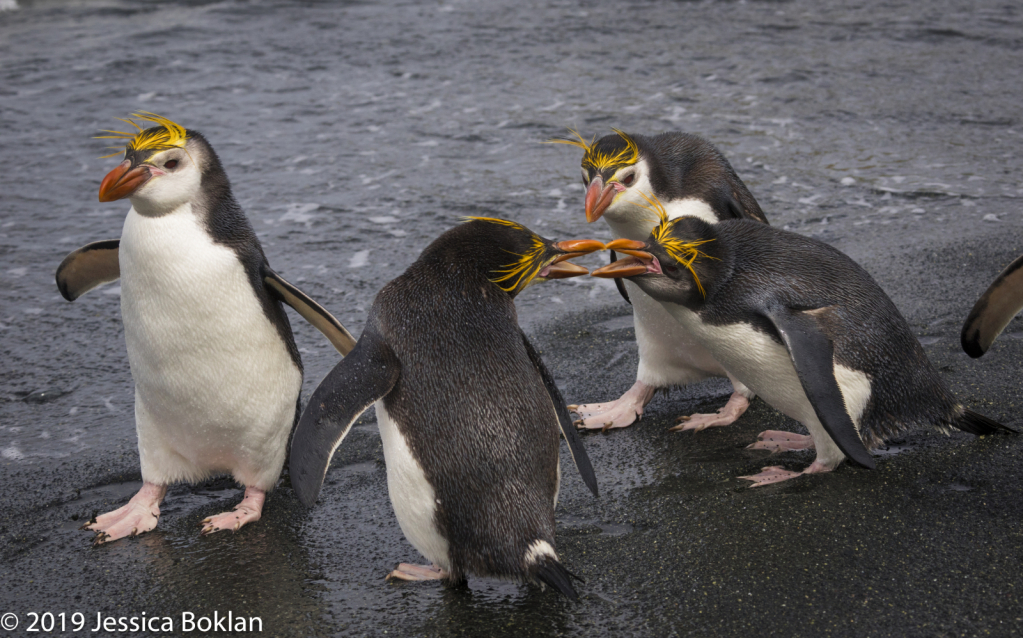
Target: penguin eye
(171, 164)
(629, 179)
(670, 269)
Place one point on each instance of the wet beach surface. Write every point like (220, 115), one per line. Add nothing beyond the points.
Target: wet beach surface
(354, 133)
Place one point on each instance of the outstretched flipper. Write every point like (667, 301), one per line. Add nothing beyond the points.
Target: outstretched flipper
(994, 310)
(366, 374)
(311, 311)
(575, 444)
(89, 266)
(813, 355)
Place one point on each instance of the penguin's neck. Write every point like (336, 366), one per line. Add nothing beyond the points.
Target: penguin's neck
(631, 221)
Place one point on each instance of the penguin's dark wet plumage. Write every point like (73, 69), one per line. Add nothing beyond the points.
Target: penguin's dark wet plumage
(469, 415)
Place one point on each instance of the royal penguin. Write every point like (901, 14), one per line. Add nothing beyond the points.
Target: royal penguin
(691, 178)
(803, 326)
(217, 373)
(469, 415)
(994, 310)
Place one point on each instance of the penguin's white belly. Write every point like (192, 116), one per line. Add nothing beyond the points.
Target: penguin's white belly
(216, 389)
(765, 367)
(412, 496)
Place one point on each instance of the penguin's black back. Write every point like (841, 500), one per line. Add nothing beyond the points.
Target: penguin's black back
(472, 407)
(768, 267)
(686, 165)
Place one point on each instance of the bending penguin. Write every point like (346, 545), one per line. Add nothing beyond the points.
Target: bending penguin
(804, 327)
(691, 178)
(469, 415)
(216, 370)
(994, 310)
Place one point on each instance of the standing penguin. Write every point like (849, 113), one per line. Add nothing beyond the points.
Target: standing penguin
(804, 327)
(691, 178)
(216, 370)
(994, 310)
(469, 416)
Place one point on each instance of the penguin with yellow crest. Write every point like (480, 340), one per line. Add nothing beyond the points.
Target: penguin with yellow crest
(216, 369)
(469, 415)
(804, 327)
(692, 179)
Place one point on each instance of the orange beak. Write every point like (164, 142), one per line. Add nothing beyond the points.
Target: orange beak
(577, 248)
(598, 198)
(122, 181)
(630, 247)
(563, 270)
(560, 268)
(623, 268)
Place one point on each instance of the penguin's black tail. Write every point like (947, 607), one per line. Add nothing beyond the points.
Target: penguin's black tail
(978, 424)
(550, 571)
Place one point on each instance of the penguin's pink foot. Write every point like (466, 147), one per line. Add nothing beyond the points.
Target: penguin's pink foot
(777, 474)
(248, 511)
(137, 517)
(406, 571)
(778, 441)
(620, 413)
(736, 406)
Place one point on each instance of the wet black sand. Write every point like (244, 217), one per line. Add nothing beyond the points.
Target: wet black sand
(888, 130)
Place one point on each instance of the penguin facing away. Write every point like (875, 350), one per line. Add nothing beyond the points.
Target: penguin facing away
(994, 310)
(217, 373)
(804, 327)
(469, 415)
(692, 178)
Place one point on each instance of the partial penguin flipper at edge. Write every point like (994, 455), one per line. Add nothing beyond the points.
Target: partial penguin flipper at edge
(575, 444)
(89, 266)
(366, 374)
(994, 310)
(980, 425)
(551, 572)
(311, 311)
(812, 356)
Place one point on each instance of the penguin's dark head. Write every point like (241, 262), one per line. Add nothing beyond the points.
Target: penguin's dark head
(164, 166)
(679, 263)
(615, 170)
(509, 254)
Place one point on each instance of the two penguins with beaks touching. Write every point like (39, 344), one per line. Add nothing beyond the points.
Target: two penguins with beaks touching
(469, 416)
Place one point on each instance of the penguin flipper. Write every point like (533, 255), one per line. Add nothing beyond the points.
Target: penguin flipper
(575, 444)
(366, 374)
(619, 283)
(994, 310)
(812, 355)
(89, 266)
(311, 311)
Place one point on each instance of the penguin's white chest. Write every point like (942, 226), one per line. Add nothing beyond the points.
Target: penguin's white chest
(412, 496)
(765, 366)
(214, 380)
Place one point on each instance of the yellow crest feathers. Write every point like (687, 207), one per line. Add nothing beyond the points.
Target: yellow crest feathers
(165, 135)
(686, 253)
(598, 159)
(526, 266)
